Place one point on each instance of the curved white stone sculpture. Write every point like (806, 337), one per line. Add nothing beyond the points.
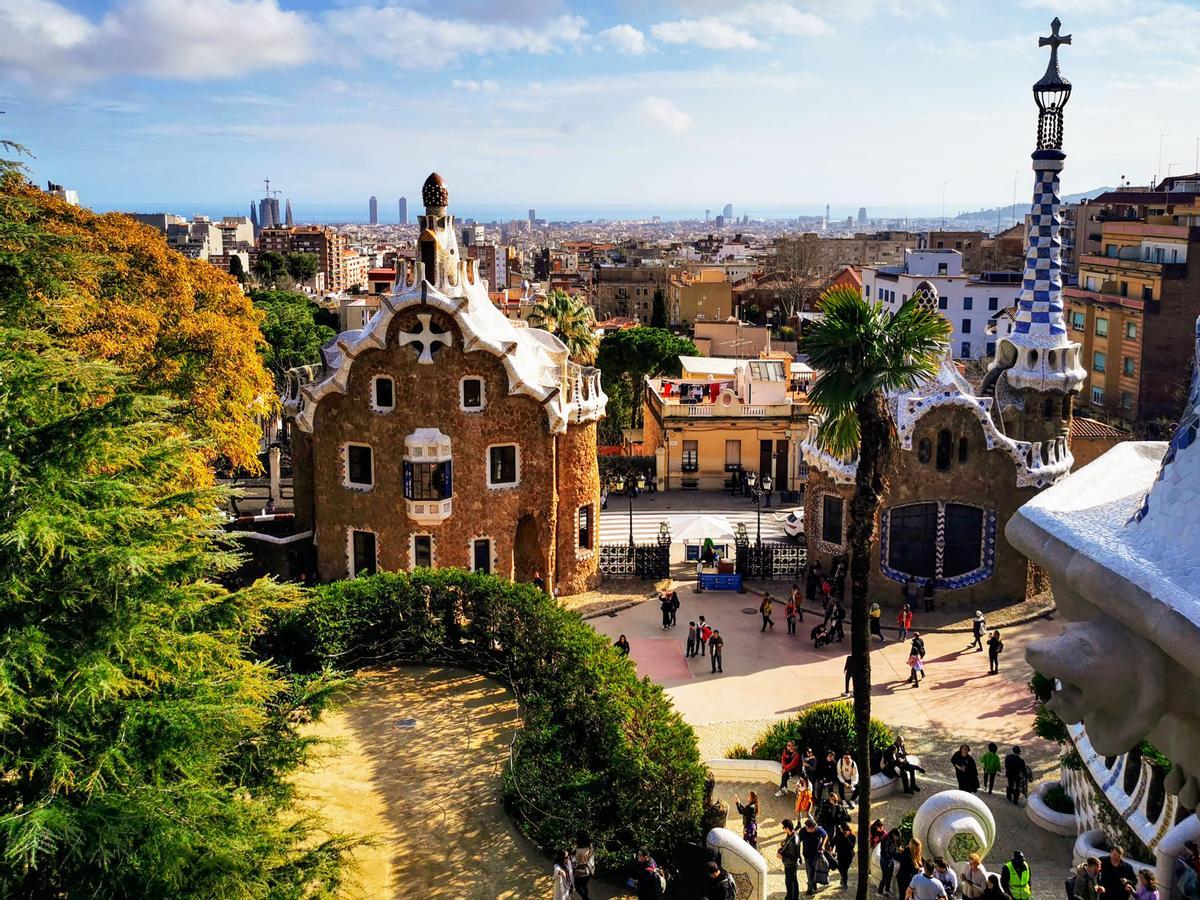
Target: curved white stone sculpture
(742, 861)
(769, 772)
(1044, 817)
(955, 824)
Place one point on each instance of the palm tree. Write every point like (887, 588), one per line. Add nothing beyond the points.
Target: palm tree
(863, 352)
(570, 320)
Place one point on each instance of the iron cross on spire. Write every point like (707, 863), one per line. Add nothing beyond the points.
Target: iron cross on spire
(1054, 40)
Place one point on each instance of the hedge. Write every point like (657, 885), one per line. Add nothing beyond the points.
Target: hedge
(599, 749)
(822, 726)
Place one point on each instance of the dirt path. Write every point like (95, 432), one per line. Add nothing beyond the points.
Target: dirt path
(427, 791)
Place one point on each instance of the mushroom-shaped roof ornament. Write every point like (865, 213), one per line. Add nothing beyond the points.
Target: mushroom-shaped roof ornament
(926, 295)
(434, 192)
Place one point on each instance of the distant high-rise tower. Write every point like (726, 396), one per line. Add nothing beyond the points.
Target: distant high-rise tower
(826, 212)
(720, 223)
(707, 216)
(254, 218)
(268, 212)
(287, 218)
(374, 206)
(403, 210)
(727, 212)
(532, 217)
(862, 215)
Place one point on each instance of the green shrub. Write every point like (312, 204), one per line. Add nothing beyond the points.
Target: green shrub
(739, 751)
(1059, 800)
(601, 750)
(822, 726)
(1049, 726)
(1041, 686)
(906, 826)
(1072, 760)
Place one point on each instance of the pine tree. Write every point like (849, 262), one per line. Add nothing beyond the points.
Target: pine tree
(658, 314)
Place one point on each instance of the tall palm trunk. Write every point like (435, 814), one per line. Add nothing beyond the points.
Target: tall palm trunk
(874, 457)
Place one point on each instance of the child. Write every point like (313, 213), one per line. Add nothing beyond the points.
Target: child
(991, 767)
(691, 640)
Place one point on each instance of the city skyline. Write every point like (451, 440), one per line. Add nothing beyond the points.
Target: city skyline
(590, 106)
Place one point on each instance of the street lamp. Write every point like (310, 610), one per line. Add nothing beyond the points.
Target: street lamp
(758, 517)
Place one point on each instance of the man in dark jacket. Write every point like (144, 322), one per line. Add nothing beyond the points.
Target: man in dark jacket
(826, 776)
(1016, 774)
(1115, 873)
(721, 885)
(789, 853)
(645, 881)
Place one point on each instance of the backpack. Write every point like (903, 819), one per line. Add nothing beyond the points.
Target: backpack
(662, 880)
(729, 886)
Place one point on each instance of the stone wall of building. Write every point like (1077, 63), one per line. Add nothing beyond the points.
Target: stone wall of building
(520, 520)
(577, 568)
(986, 479)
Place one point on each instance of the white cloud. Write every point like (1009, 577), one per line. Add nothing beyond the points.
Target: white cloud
(623, 39)
(51, 46)
(413, 40)
(742, 28)
(486, 86)
(709, 32)
(663, 112)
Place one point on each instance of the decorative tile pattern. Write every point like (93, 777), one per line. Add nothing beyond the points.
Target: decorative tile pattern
(1040, 308)
(988, 547)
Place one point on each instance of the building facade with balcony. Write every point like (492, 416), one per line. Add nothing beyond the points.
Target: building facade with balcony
(723, 416)
(700, 296)
(1131, 312)
(441, 433)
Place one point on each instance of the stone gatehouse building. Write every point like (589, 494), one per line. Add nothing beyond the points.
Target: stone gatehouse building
(444, 434)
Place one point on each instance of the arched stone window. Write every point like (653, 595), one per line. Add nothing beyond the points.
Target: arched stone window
(952, 543)
(429, 258)
(924, 451)
(963, 449)
(945, 447)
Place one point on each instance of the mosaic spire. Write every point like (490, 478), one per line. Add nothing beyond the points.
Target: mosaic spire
(1038, 354)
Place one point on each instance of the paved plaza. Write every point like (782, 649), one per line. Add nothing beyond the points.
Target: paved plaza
(674, 507)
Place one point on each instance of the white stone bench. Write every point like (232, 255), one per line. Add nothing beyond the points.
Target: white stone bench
(766, 771)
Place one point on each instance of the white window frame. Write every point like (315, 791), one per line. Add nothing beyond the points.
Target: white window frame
(375, 407)
(462, 395)
(346, 482)
(350, 532)
(487, 462)
(412, 550)
(1097, 400)
(491, 551)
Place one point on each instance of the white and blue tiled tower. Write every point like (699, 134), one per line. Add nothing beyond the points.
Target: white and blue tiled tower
(1039, 360)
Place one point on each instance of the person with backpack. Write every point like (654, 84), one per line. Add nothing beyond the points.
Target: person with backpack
(789, 853)
(812, 843)
(904, 621)
(875, 619)
(978, 627)
(1085, 885)
(583, 864)
(1016, 773)
(765, 608)
(789, 613)
(721, 885)
(798, 599)
(649, 880)
(844, 842)
(705, 634)
(995, 646)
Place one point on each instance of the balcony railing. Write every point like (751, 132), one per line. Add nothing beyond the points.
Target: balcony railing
(712, 410)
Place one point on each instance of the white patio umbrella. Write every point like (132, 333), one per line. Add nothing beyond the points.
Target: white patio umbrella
(697, 528)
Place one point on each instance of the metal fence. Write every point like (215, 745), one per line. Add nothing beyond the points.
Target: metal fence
(643, 561)
(771, 561)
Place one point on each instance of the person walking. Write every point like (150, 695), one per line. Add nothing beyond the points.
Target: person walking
(991, 767)
(648, 880)
(721, 885)
(749, 813)
(789, 765)
(699, 575)
(583, 865)
(563, 886)
(664, 604)
(798, 599)
(888, 848)
(904, 621)
(716, 644)
(789, 613)
(765, 608)
(915, 670)
(789, 853)
(1086, 881)
(843, 851)
(927, 593)
(978, 627)
(766, 490)
(693, 639)
(848, 672)
(995, 646)
(812, 843)
(1014, 877)
(875, 616)
(705, 632)
(908, 863)
(1115, 874)
(622, 645)
(812, 582)
(804, 797)
(838, 616)
(974, 878)
(965, 770)
(1016, 773)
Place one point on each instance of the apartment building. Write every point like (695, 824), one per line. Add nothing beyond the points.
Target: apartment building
(627, 291)
(723, 415)
(969, 302)
(1134, 311)
(701, 296)
(323, 242)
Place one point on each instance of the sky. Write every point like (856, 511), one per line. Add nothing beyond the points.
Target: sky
(776, 106)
